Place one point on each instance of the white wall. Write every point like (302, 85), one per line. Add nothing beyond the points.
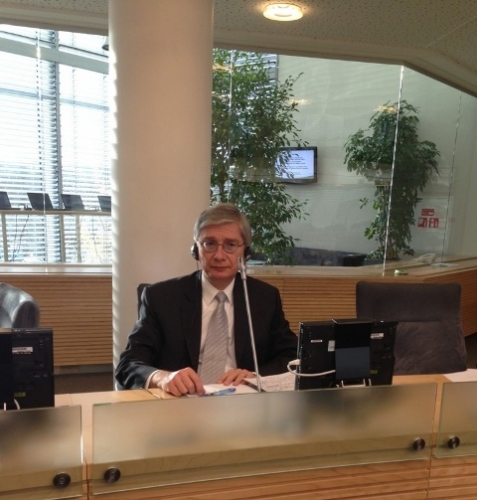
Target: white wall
(339, 97)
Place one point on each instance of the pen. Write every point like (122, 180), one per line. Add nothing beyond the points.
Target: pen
(222, 392)
(251, 385)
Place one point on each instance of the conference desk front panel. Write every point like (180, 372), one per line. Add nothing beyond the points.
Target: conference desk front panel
(41, 454)
(189, 440)
(383, 443)
(457, 431)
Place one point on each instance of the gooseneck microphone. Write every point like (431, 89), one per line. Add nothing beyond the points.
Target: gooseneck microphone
(243, 272)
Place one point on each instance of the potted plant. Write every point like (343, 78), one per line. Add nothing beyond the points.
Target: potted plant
(390, 154)
(252, 120)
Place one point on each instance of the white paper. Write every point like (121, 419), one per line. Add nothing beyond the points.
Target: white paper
(274, 383)
(467, 376)
(224, 390)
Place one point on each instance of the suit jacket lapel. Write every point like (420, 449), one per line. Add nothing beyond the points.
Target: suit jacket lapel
(191, 318)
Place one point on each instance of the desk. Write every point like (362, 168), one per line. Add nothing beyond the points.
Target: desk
(243, 461)
(433, 478)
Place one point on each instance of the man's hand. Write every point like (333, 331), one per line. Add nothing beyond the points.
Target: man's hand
(185, 381)
(235, 376)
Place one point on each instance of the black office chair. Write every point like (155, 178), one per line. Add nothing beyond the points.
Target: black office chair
(18, 309)
(429, 337)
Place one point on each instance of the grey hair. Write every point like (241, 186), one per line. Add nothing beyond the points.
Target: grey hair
(223, 213)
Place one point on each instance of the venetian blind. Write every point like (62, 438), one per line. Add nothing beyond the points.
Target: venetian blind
(53, 139)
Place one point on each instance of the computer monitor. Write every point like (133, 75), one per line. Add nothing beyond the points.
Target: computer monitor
(352, 350)
(72, 201)
(297, 165)
(104, 203)
(40, 201)
(318, 345)
(4, 201)
(27, 367)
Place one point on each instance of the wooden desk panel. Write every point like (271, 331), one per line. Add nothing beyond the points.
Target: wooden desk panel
(453, 478)
(438, 479)
(393, 481)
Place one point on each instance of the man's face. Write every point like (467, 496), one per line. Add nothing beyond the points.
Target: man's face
(220, 266)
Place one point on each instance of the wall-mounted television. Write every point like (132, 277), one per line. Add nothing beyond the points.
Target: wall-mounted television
(298, 165)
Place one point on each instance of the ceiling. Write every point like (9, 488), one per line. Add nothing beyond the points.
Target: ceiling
(436, 37)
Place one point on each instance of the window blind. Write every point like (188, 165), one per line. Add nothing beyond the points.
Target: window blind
(53, 139)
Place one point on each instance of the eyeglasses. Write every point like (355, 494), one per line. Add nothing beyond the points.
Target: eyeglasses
(212, 246)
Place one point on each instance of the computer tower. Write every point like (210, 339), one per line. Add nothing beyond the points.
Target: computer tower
(383, 338)
(316, 352)
(6, 370)
(33, 369)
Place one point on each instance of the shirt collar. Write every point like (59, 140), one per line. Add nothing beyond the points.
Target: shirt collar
(209, 291)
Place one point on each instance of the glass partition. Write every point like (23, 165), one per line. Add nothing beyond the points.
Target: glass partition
(391, 184)
(41, 453)
(395, 166)
(152, 443)
(457, 434)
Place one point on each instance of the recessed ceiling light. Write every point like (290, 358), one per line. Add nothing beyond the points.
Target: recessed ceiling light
(282, 12)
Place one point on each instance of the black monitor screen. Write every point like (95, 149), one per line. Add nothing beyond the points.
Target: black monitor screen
(4, 201)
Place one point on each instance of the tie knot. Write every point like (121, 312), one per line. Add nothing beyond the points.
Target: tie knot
(221, 297)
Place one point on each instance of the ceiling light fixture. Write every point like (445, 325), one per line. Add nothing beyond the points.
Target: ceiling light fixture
(282, 12)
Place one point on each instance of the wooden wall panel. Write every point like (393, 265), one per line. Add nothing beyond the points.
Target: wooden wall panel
(315, 298)
(79, 306)
(468, 282)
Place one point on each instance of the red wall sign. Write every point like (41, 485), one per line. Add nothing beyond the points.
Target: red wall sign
(422, 222)
(428, 218)
(434, 222)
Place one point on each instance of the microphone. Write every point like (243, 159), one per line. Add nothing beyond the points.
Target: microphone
(243, 272)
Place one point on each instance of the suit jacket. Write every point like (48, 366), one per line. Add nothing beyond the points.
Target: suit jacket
(168, 332)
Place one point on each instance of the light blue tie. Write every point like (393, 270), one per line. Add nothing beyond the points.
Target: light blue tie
(215, 350)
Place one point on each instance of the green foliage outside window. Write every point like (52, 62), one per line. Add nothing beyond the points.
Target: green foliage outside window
(253, 118)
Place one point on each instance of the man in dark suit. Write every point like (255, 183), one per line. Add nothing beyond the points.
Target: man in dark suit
(167, 346)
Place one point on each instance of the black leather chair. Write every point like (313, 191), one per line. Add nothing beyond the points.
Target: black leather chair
(18, 309)
(429, 337)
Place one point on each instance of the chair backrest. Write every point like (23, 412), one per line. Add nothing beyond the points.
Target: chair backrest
(18, 309)
(139, 291)
(429, 337)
